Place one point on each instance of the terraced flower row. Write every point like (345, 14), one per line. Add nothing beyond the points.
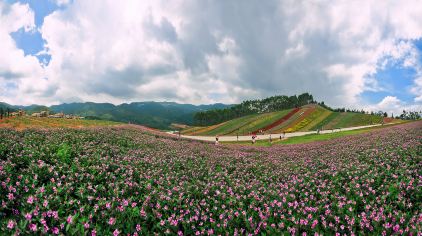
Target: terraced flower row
(126, 181)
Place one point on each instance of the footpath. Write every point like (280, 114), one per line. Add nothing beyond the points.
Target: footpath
(267, 136)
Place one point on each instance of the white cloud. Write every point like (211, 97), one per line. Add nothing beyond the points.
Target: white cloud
(21, 76)
(393, 105)
(108, 51)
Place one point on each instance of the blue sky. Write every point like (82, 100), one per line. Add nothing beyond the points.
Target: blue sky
(396, 80)
(105, 51)
(32, 42)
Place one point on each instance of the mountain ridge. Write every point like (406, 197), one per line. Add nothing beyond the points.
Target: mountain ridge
(150, 113)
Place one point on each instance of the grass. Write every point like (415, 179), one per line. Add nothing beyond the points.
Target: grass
(281, 127)
(232, 125)
(263, 121)
(358, 119)
(242, 125)
(318, 116)
(311, 114)
(326, 121)
(310, 137)
(25, 122)
(308, 118)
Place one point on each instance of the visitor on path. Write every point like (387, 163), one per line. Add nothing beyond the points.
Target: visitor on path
(216, 140)
(270, 139)
(237, 136)
(253, 139)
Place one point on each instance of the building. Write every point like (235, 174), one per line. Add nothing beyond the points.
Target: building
(21, 112)
(44, 114)
(58, 115)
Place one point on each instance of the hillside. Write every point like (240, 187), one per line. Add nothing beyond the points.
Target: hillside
(26, 122)
(305, 118)
(250, 107)
(153, 114)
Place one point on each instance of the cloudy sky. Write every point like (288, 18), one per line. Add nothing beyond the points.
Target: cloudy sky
(359, 54)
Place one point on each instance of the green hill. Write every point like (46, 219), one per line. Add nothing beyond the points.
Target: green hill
(153, 114)
(242, 125)
(306, 118)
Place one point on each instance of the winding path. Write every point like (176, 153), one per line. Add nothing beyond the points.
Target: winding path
(273, 136)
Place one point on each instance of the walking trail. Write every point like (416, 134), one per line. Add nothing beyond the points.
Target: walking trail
(267, 136)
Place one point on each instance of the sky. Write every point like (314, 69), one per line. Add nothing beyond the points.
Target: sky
(355, 54)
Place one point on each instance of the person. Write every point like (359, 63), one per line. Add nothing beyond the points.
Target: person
(253, 139)
(237, 136)
(270, 139)
(216, 140)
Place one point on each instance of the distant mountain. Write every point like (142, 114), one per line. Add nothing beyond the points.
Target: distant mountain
(153, 114)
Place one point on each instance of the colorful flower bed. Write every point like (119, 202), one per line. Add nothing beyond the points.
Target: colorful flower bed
(127, 181)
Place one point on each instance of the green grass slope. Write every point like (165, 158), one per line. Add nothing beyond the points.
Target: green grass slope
(308, 118)
(246, 124)
(358, 119)
(263, 121)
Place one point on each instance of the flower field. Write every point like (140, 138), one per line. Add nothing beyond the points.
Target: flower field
(119, 181)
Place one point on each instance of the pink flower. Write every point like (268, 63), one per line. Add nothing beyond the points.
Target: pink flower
(10, 196)
(138, 228)
(55, 230)
(143, 213)
(396, 228)
(116, 232)
(314, 223)
(33, 227)
(30, 200)
(11, 224)
(94, 233)
(111, 221)
(69, 219)
(28, 216)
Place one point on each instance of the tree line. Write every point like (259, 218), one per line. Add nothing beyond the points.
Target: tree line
(5, 112)
(410, 115)
(249, 107)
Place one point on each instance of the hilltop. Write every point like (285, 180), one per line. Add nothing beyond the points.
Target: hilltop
(305, 118)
